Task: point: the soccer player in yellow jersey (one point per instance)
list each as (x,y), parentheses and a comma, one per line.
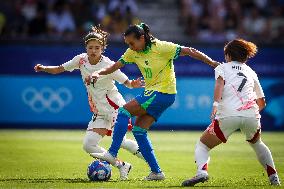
(155,59)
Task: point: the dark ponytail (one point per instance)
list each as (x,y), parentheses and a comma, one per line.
(138,31)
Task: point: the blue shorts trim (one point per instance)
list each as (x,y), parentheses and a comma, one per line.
(154,102)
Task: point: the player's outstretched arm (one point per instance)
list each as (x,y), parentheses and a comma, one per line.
(135,83)
(49,69)
(189,51)
(105,71)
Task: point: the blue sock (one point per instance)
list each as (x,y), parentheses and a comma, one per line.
(119,131)
(146,149)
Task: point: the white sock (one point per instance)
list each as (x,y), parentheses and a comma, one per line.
(118,164)
(90,145)
(91,141)
(201,157)
(131,146)
(264,157)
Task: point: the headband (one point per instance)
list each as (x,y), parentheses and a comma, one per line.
(94,38)
(140,25)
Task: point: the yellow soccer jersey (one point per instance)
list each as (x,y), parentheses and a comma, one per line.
(156,65)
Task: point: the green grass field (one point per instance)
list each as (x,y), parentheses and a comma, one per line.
(55,159)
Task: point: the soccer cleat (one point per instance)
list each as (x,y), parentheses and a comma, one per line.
(202,177)
(274,180)
(155,176)
(106,156)
(124,170)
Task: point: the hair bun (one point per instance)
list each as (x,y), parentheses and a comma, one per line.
(145,27)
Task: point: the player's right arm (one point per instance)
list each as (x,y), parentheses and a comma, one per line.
(194,53)
(126,58)
(67,66)
(49,69)
(218,90)
(111,69)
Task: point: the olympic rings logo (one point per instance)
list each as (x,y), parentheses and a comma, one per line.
(47,99)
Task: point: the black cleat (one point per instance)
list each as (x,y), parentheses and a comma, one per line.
(196,179)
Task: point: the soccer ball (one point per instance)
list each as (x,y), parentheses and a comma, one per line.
(99,171)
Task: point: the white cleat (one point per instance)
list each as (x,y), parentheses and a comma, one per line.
(274,180)
(202,177)
(124,171)
(106,156)
(155,176)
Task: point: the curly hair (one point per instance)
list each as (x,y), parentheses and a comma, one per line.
(97,34)
(240,50)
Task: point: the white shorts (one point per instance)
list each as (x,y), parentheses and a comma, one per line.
(224,127)
(101,122)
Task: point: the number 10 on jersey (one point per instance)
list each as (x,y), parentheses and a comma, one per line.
(148,72)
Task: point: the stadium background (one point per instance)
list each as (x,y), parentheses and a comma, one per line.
(50,33)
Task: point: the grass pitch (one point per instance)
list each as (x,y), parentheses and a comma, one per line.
(55,159)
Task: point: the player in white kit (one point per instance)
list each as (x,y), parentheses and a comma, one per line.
(238,99)
(104,98)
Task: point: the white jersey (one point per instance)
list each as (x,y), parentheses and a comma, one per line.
(103,95)
(241,90)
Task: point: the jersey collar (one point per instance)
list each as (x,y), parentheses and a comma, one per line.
(236,62)
(147,49)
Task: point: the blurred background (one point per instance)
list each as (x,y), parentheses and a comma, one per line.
(50,32)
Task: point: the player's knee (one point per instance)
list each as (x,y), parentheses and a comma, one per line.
(123,112)
(92,148)
(256,143)
(90,145)
(129,145)
(200,144)
(254,140)
(87,147)
(124,142)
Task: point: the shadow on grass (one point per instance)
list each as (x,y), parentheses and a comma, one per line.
(80,180)
(211,186)
(247,186)
(50,180)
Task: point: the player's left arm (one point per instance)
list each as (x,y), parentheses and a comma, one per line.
(261,103)
(189,51)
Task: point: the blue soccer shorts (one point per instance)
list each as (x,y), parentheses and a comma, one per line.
(154,102)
